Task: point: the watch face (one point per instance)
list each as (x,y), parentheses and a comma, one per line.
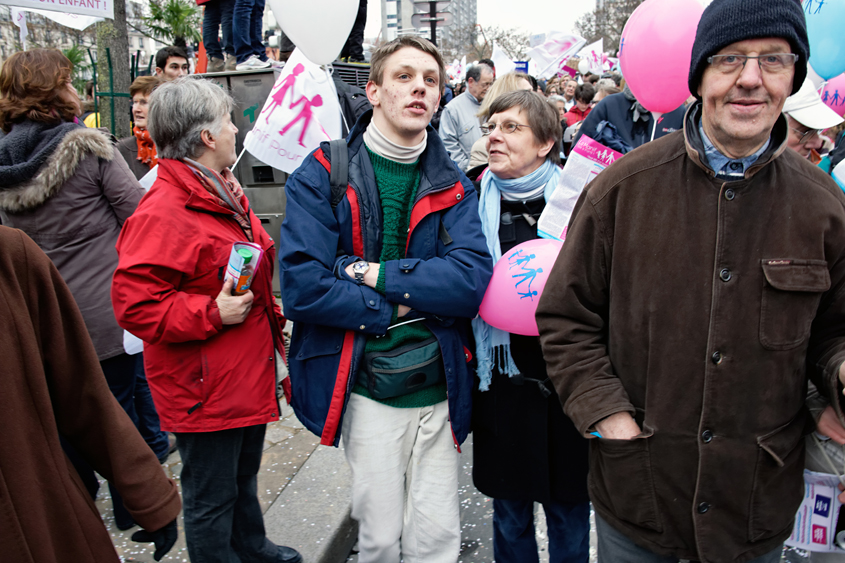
(361,267)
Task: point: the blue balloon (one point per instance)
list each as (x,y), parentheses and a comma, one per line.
(825,21)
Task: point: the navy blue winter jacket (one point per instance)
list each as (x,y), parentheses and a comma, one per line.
(442,278)
(617,109)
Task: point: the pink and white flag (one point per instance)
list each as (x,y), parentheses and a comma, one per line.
(593,54)
(19,19)
(301,111)
(553,54)
(461,70)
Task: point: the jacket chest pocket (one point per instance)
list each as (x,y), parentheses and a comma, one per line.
(791,295)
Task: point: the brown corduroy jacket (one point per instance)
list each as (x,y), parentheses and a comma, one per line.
(51,383)
(699,306)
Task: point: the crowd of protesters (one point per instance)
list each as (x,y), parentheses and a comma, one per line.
(690,332)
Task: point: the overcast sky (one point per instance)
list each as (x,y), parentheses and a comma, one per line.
(532,16)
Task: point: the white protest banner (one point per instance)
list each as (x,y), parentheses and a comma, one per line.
(815,521)
(536,39)
(19,19)
(461,71)
(592,53)
(587,159)
(452,69)
(96,8)
(301,111)
(554,53)
(73,21)
(503,63)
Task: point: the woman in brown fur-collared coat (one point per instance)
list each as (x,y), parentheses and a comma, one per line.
(51,385)
(69,189)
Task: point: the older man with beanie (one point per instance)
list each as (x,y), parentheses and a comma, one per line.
(699,286)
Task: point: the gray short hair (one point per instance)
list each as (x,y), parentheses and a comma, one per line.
(180,110)
(475,71)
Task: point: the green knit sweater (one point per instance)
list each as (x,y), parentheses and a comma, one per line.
(397,186)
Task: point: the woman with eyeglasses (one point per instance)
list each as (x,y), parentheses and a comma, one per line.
(525,450)
(509,82)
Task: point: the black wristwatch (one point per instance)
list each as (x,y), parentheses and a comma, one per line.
(359,269)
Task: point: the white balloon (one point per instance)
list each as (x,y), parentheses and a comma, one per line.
(319,28)
(584,66)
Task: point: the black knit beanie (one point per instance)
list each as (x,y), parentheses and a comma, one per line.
(728,21)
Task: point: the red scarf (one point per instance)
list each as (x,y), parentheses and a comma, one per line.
(146,147)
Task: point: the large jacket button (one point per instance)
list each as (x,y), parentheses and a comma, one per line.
(703,507)
(706,436)
(725,275)
(716,358)
(730,194)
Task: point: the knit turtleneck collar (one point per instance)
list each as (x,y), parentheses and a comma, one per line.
(384,147)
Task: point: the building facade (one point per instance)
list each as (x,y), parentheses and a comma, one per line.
(44,32)
(396,18)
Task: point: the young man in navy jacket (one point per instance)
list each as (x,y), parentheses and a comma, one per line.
(398,262)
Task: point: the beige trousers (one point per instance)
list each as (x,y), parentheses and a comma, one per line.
(404,482)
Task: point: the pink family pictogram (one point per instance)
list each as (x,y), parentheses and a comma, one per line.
(278,97)
(305,115)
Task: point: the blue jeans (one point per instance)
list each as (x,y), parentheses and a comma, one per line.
(217,13)
(223,520)
(514,540)
(148,422)
(246,29)
(615,547)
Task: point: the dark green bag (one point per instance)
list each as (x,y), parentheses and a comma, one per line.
(404,370)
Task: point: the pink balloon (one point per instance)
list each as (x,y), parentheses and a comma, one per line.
(833,94)
(517,284)
(655,51)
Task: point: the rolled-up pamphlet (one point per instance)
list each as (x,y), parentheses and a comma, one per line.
(243,261)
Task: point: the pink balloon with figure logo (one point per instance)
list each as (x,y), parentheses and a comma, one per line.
(833,94)
(655,51)
(517,284)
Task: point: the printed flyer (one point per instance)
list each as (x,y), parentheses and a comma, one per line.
(586,160)
(815,521)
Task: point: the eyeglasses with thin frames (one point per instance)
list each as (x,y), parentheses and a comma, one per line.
(507,127)
(772,63)
(805,135)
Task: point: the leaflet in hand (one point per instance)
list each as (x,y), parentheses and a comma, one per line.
(243,261)
(815,521)
(586,160)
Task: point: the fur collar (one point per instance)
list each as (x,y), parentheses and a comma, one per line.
(59,168)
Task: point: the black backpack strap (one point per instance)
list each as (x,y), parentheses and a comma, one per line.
(339,174)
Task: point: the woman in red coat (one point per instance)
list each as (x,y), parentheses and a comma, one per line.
(209,354)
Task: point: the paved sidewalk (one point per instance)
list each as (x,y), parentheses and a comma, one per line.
(287,491)
(304,492)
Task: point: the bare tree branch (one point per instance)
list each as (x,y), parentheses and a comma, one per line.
(607,22)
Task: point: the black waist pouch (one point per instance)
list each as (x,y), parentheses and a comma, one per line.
(404,370)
